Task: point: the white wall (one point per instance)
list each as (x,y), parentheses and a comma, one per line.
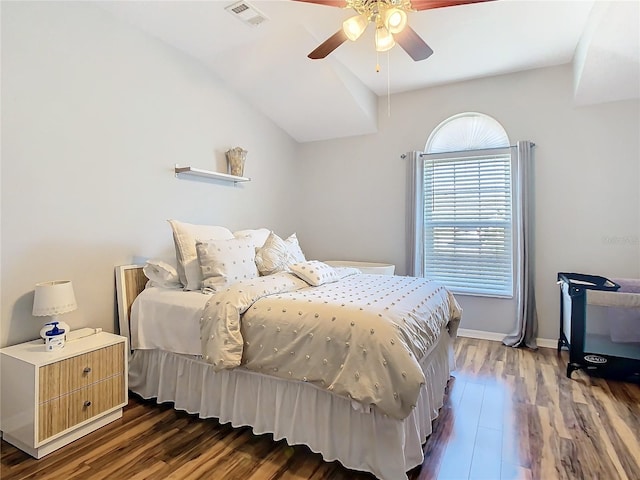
(586,174)
(94,117)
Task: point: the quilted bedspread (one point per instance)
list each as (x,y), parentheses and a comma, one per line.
(360,337)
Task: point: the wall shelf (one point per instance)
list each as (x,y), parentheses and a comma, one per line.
(199,172)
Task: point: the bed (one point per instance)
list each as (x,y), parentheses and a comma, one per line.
(354,367)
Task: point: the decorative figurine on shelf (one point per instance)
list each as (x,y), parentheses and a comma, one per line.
(235,160)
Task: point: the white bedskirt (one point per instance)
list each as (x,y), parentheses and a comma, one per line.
(297,411)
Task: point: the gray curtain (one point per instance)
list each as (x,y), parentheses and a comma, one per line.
(415,227)
(526,330)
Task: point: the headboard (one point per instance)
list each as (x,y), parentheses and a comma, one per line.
(130,281)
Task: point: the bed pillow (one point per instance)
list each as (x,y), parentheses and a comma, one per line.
(294,248)
(274,256)
(184,237)
(223,262)
(161,274)
(315,273)
(259,235)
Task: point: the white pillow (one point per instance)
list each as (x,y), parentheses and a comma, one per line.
(184,238)
(315,273)
(294,248)
(274,256)
(224,262)
(162,274)
(259,235)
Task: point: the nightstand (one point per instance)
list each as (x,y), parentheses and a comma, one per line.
(365,267)
(50,399)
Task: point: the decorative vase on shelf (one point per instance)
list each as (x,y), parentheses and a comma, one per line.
(235,161)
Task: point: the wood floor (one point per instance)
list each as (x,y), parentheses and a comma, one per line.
(509,414)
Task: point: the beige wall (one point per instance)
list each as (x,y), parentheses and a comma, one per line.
(94,117)
(586,175)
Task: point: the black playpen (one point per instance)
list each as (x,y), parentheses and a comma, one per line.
(600,325)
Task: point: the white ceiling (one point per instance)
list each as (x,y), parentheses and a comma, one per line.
(337,96)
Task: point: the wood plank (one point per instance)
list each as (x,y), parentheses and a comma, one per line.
(487,458)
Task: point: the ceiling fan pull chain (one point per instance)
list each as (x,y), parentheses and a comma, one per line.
(388,84)
(377,61)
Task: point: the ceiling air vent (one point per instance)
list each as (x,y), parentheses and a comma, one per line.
(247,13)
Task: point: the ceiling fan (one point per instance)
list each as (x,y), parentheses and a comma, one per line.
(390,20)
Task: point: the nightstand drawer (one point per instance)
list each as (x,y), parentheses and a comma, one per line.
(69,410)
(68,375)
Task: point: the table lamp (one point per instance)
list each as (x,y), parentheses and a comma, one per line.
(53,299)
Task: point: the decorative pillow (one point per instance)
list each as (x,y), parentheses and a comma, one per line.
(223,262)
(161,274)
(294,248)
(259,235)
(274,256)
(184,237)
(315,273)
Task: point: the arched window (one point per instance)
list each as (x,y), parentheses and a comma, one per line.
(467,131)
(467,218)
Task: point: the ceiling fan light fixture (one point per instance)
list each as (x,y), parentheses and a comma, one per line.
(355,26)
(395,20)
(384,39)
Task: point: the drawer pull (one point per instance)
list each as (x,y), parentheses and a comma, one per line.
(87,403)
(87,370)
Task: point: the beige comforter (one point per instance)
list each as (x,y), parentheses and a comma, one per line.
(360,337)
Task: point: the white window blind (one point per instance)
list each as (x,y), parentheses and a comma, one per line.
(468,221)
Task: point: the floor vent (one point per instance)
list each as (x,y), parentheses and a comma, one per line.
(247,13)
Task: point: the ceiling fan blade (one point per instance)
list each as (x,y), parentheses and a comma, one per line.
(328,3)
(411,42)
(431,4)
(329,45)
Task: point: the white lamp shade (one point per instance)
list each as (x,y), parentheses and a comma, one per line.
(395,20)
(54,298)
(354,27)
(384,40)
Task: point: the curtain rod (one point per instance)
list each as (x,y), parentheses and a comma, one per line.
(404,155)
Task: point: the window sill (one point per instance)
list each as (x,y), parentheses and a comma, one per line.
(466,293)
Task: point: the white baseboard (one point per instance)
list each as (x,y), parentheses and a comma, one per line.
(547,342)
(497,337)
(481,334)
